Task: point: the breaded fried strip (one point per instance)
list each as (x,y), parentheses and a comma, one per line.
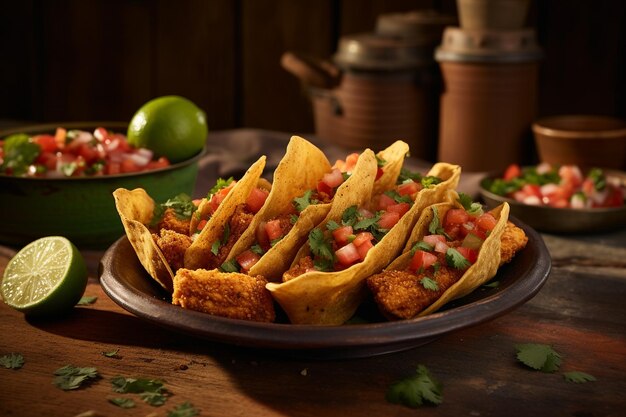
(234,295)
(513,240)
(171,221)
(173,246)
(400,295)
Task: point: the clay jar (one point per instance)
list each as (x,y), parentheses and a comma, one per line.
(489,97)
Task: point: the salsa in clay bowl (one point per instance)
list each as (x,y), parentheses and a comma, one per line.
(560,199)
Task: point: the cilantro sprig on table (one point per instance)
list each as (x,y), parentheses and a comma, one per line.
(416,390)
(70,377)
(12,361)
(544,358)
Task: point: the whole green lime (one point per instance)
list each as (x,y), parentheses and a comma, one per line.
(170,126)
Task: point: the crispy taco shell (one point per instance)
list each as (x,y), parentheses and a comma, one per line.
(196,255)
(480,272)
(331,298)
(300,169)
(136,209)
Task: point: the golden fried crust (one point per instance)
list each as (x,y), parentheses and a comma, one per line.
(304,265)
(513,240)
(233,295)
(173,246)
(171,221)
(400,294)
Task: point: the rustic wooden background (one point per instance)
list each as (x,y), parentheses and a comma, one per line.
(64,60)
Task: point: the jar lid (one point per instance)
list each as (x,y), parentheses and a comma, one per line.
(425,25)
(480,45)
(372,51)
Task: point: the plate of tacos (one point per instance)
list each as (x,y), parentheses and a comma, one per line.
(355,258)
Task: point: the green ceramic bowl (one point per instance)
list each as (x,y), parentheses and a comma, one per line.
(81,209)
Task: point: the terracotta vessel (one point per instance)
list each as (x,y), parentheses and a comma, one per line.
(584,140)
(489,98)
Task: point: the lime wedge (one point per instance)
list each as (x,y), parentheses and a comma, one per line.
(46,277)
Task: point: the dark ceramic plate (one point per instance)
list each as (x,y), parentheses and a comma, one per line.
(560,220)
(125,281)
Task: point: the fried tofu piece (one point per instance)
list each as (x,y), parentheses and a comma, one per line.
(171,221)
(173,246)
(513,240)
(232,295)
(400,294)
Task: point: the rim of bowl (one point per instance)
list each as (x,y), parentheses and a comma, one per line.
(551,126)
(45,127)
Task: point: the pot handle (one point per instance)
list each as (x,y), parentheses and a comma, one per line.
(321,74)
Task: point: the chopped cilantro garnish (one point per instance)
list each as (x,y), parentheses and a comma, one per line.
(12,361)
(111,354)
(275,241)
(429,284)
(599,180)
(122,402)
(71,377)
(578,377)
(293,219)
(219,184)
(151,391)
(300,203)
(380,161)
(215,247)
(185,409)
(350,216)
(321,249)
(230,266)
(472,208)
(455,260)
(366,223)
(256,248)
(398,198)
(537,356)
(434,227)
(529,175)
(421,245)
(332,225)
(413,391)
(19,153)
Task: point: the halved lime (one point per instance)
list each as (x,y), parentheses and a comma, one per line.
(46,277)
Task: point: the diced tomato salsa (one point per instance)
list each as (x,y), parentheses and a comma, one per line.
(74,153)
(562,187)
(458,240)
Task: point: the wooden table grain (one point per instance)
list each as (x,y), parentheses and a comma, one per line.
(580,311)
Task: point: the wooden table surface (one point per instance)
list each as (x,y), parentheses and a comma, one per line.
(580,311)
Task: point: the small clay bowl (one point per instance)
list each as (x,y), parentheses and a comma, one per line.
(584,140)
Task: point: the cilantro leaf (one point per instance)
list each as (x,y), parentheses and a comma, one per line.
(122,402)
(398,198)
(366,223)
(456,260)
(421,245)
(185,409)
(599,179)
(230,266)
(256,248)
(494,284)
(155,399)
(578,377)
(87,300)
(215,247)
(537,356)
(321,249)
(182,204)
(71,377)
(434,227)
(19,153)
(380,161)
(472,208)
(350,216)
(413,391)
(111,354)
(300,203)
(12,361)
(429,284)
(136,385)
(332,225)
(219,184)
